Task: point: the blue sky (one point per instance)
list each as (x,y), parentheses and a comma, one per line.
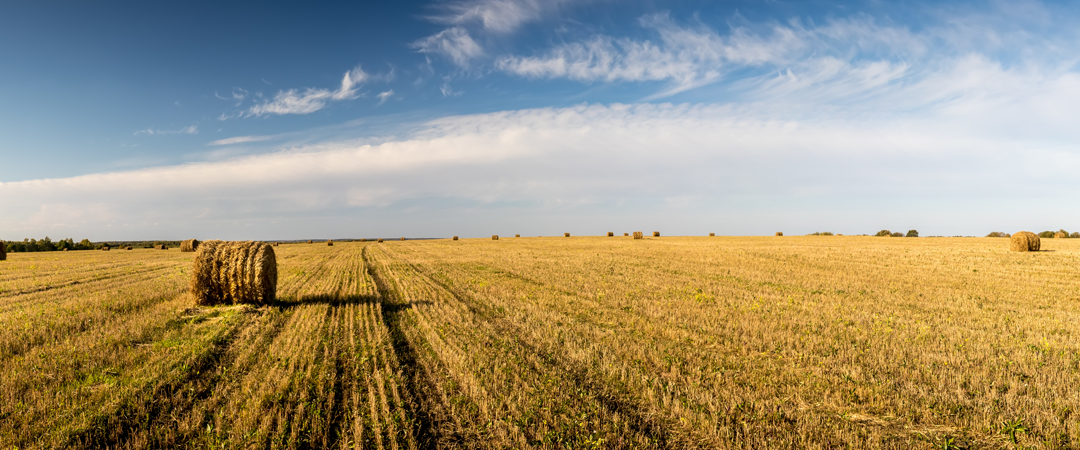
(480,117)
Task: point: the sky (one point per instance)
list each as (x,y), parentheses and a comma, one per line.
(129,121)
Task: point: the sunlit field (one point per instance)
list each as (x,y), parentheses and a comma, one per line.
(578,342)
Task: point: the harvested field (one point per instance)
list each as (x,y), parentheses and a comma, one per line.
(681,342)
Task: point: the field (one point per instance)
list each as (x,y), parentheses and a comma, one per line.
(580,342)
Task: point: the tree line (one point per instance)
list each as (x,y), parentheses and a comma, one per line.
(48,245)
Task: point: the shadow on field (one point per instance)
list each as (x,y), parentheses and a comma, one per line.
(325,299)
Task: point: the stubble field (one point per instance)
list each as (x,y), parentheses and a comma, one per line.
(581,342)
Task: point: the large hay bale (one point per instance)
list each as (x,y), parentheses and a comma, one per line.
(494,237)
(3,251)
(779,233)
(329,242)
(639,235)
(610,233)
(189,245)
(655,234)
(234,272)
(1060,235)
(1024,241)
(455,238)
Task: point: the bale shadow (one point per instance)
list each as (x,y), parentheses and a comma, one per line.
(325,299)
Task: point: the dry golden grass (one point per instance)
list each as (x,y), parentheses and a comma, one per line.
(805,342)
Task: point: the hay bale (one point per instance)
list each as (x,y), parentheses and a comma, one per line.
(380,241)
(1060,235)
(65,249)
(403,238)
(455,238)
(309,241)
(638,235)
(626,234)
(363,240)
(779,233)
(234,272)
(1024,241)
(712,234)
(655,234)
(566,234)
(163,247)
(494,237)
(329,242)
(610,234)
(189,245)
(105,248)
(276,244)
(128,248)
(3,251)
(517,235)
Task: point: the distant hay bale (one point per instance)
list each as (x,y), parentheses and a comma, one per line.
(64,249)
(566,234)
(380,241)
(276,244)
(712,234)
(309,241)
(639,235)
(610,234)
(455,238)
(105,248)
(494,237)
(363,240)
(128,248)
(1024,241)
(329,242)
(234,272)
(1060,235)
(403,238)
(189,245)
(779,233)
(163,247)
(655,234)
(626,234)
(3,251)
(517,235)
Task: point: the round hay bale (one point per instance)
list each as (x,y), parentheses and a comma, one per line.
(65,249)
(380,241)
(455,238)
(276,244)
(189,245)
(517,235)
(494,237)
(626,234)
(639,235)
(1024,241)
(234,272)
(779,233)
(329,242)
(403,238)
(309,241)
(105,248)
(1060,235)
(363,240)
(655,234)
(566,234)
(128,248)
(610,234)
(712,234)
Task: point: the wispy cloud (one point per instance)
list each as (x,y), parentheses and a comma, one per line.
(294,101)
(192,129)
(384,96)
(500,16)
(453,43)
(240,140)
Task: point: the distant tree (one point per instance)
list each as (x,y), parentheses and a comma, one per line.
(912,233)
(821,233)
(898,234)
(883,233)
(1062,231)
(1075,235)
(997,234)
(1047,234)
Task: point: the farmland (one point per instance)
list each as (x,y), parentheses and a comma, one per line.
(577,342)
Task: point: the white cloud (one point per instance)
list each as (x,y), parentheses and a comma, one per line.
(240,140)
(985,142)
(191,129)
(384,96)
(498,15)
(309,100)
(454,43)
